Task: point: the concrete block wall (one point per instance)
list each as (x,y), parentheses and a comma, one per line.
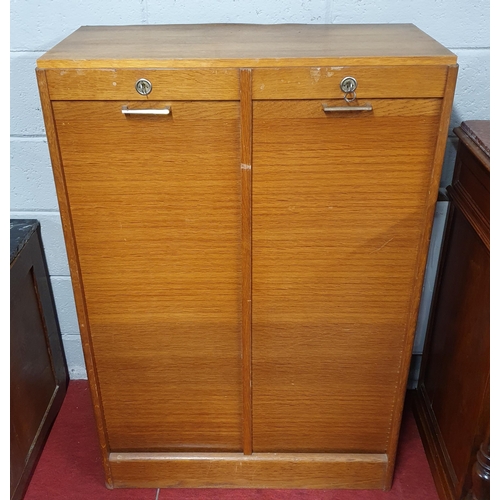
(37,25)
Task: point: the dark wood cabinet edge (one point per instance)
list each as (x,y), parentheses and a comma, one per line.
(33,254)
(436,455)
(438,458)
(471,212)
(34,258)
(482,438)
(52,327)
(480,489)
(459,193)
(459,200)
(441,467)
(481,156)
(43,431)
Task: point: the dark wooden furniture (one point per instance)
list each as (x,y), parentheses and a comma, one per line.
(247,242)
(452,398)
(38,372)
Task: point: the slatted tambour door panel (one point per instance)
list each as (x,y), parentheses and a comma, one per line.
(338,211)
(155,205)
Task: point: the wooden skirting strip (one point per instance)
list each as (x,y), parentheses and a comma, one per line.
(259,470)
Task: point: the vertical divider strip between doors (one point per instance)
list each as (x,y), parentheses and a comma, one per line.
(246,242)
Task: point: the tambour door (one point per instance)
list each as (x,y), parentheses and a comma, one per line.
(339,208)
(155,209)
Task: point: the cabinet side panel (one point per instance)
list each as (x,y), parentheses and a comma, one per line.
(339,205)
(430,198)
(32,380)
(156,207)
(74,266)
(458,349)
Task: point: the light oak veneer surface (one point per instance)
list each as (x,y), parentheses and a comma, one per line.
(247,269)
(226,45)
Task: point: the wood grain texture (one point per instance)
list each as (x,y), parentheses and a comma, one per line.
(245,45)
(260,470)
(38,373)
(74,266)
(338,213)
(248,268)
(470,189)
(453,422)
(157,220)
(246,245)
(453,395)
(481,473)
(119,84)
(458,351)
(423,245)
(373,82)
(433,443)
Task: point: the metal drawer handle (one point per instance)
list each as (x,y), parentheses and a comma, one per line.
(164,111)
(339,109)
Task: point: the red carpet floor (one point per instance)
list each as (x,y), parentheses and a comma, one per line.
(70,467)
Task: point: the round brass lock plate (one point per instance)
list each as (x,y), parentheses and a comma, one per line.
(143,86)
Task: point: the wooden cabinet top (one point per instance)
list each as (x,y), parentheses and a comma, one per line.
(20,233)
(479,133)
(237,45)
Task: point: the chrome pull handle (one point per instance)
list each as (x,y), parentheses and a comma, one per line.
(341,109)
(164,111)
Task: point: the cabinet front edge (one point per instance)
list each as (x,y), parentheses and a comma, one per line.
(43,63)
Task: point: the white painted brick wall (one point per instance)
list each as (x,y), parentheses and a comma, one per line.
(37,25)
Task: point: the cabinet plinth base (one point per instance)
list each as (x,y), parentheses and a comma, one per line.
(260,470)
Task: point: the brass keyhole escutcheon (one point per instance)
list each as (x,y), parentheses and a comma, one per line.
(143,86)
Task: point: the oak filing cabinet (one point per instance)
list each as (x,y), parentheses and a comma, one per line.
(247,212)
